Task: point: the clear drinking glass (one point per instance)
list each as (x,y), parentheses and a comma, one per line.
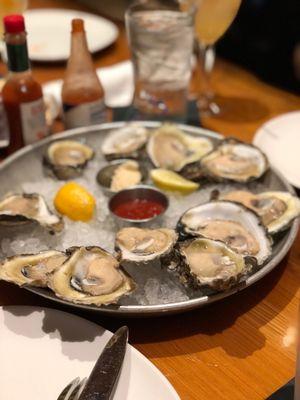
(161,41)
(213,18)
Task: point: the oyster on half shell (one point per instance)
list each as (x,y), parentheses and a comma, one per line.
(67,158)
(212,263)
(276,209)
(170,148)
(143,245)
(16,209)
(31,269)
(126,175)
(90,275)
(237,226)
(125,142)
(234,161)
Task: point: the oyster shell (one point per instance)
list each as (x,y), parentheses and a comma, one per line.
(237,226)
(67,158)
(234,161)
(170,148)
(125,142)
(31,269)
(212,263)
(143,245)
(18,209)
(276,209)
(90,276)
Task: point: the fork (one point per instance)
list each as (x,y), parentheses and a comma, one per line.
(73,390)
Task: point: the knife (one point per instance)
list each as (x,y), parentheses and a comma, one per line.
(104,375)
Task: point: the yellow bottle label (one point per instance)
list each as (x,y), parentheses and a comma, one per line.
(85,114)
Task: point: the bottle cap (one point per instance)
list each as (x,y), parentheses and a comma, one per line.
(14,23)
(77,25)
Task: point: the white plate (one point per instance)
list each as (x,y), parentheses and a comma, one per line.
(279,138)
(49,32)
(41,350)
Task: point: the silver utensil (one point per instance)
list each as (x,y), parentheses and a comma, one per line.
(73,390)
(101,382)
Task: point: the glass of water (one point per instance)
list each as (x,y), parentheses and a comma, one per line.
(161,40)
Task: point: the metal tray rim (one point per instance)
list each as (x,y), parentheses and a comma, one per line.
(159,309)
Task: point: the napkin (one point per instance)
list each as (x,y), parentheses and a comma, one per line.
(117,81)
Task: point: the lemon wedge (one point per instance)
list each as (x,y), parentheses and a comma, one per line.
(169,180)
(75,202)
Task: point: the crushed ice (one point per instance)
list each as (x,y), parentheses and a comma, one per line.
(100,232)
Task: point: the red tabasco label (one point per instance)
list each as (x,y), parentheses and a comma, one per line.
(34,125)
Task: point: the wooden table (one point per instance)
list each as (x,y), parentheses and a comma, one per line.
(244,346)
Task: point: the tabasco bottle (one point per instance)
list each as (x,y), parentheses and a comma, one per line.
(82,92)
(22,94)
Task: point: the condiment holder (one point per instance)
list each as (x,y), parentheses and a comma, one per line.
(135,205)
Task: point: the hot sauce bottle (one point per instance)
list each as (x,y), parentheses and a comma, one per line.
(82,92)
(22,94)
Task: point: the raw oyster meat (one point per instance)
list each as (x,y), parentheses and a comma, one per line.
(121,174)
(276,209)
(31,269)
(67,158)
(125,142)
(90,275)
(126,175)
(212,263)
(234,161)
(237,226)
(170,148)
(143,245)
(18,209)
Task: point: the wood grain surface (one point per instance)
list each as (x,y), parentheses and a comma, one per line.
(242,347)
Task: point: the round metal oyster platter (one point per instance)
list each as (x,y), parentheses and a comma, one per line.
(26,166)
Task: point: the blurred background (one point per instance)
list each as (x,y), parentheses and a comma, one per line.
(264,38)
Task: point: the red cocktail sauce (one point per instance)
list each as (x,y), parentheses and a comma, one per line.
(138,209)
